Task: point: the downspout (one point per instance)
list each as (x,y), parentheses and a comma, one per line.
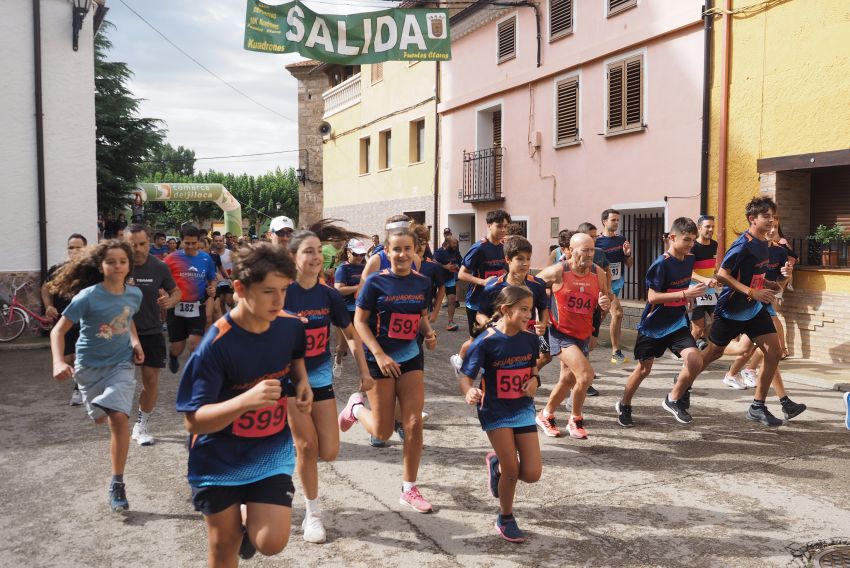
(708,21)
(536,9)
(39,139)
(437,157)
(723,157)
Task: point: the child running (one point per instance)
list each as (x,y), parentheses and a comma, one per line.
(347,282)
(234,398)
(508,354)
(392,310)
(107,348)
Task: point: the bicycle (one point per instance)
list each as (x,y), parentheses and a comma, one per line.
(15,317)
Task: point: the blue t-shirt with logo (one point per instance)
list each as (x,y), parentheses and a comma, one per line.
(483,260)
(667,274)
(778,255)
(434,272)
(349,275)
(105,320)
(228,362)
(444,256)
(492,290)
(322,306)
(747,261)
(395,304)
(613,249)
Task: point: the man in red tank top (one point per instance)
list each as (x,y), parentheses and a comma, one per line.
(578,286)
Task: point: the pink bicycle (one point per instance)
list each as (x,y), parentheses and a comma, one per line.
(15,317)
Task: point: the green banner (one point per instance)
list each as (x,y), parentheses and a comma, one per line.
(397,34)
(214,192)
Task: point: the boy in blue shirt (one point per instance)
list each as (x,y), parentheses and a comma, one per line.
(619,253)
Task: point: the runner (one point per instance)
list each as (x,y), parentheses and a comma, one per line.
(107,347)
(391,311)
(347,282)
(194,272)
(557,254)
(224,289)
(578,286)
(315,432)
(433,271)
(159,291)
(600,259)
(664,323)
(619,253)
(159,248)
(705,266)
(235,404)
(740,307)
(379,259)
(505,399)
(280,229)
(449,258)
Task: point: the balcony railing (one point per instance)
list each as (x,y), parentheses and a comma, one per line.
(482,175)
(342,96)
(826,255)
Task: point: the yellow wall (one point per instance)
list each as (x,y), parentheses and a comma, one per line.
(789,94)
(383,105)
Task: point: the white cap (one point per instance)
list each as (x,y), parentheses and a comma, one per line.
(281,222)
(357,246)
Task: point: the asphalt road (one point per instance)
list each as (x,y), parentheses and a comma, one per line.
(721,491)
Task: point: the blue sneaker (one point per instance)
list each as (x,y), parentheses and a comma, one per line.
(118,497)
(376,442)
(509,530)
(399,429)
(493,473)
(246,549)
(846,398)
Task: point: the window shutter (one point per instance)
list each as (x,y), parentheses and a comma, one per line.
(567,112)
(507,39)
(560,18)
(377,72)
(615,97)
(634,91)
(615,6)
(497,152)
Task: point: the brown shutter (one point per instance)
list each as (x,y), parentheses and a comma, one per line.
(615,6)
(615,96)
(507,39)
(567,111)
(560,18)
(497,153)
(377,72)
(634,91)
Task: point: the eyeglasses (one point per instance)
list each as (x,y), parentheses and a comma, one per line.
(354,254)
(284,232)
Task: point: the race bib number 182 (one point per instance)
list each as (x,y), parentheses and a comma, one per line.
(187,309)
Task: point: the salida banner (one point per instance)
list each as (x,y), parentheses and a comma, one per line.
(397,34)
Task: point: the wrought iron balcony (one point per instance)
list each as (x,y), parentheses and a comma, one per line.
(482,175)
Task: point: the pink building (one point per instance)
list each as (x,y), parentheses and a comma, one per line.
(606,111)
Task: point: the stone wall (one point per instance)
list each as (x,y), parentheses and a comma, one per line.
(370,218)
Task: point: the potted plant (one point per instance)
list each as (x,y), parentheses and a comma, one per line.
(826,236)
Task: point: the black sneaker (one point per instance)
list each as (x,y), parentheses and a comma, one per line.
(791,409)
(246,549)
(399,430)
(679,413)
(624,414)
(685,401)
(493,473)
(592,391)
(118,497)
(173,364)
(376,442)
(763,415)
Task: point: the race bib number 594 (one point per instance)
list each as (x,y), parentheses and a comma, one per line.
(262,422)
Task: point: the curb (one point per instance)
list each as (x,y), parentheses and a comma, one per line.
(24,346)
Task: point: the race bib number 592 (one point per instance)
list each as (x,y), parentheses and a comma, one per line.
(317,341)
(262,422)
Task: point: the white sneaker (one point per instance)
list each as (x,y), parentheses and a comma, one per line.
(141,434)
(76,398)
(425,416)
(749,377)
(456,362)
(733,381)
(314,530)
(337,370)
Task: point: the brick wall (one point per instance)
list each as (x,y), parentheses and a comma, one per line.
(792,193)
(815,325)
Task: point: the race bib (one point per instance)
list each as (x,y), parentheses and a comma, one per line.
(616,270)
(403,326)
(757,283)
(510,382)
(681,301)
(579,303)
(710,299)
(187,309)
(261,422)
(317,341)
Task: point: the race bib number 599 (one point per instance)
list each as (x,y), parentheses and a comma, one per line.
(262,422)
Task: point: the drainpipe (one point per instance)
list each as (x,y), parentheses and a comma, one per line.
(437,157)
(708,26)
(39,139)
(723,161)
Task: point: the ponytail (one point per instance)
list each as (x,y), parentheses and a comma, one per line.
(509,296)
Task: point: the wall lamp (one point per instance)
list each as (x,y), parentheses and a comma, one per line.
(79,9)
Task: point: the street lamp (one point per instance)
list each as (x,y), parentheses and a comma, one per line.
(79,9)
(302,174)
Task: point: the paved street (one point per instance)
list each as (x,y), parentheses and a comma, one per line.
(719,492)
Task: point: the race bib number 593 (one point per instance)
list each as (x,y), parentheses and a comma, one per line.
(262,422)
(403,326)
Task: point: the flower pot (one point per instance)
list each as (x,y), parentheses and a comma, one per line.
(829,257)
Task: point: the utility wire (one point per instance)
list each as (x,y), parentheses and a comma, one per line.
(221,157)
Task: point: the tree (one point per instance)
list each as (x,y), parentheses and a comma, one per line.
(123,140)
(166,159)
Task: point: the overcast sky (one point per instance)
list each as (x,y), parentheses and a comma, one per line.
(199,111)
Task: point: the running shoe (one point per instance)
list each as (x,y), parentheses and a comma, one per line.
(376,442)
(675,408)
(846,397)
(548,425)
(425,416)
(763,415)
(749,376)
(246,549)
(733,381)
(618,358)
(509,530)
(592,391)
(76,397)
(314,530)
(685,401)
(451,326)
(337,368)
(414,499)
(346,417)
(173,364)
(118,497)
(576,428)
(624,414)
(399,430)
(456,362)
(791,409)
(141,434)
(702,344)
(493,473)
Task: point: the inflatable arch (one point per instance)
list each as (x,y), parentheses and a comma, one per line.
(214,192)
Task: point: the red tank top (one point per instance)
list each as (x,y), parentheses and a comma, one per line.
(573,303)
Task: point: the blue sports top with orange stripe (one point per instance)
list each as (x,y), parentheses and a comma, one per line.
(667,274)
(228,362)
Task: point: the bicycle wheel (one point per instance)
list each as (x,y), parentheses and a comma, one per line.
(13,322)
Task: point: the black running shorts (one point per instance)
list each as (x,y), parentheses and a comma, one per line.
(724,330)
(274,490)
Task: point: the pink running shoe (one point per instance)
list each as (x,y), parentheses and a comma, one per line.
(415,500)
(346,417)
(576,428)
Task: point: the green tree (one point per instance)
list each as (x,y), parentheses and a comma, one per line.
(123,139)
(166,159)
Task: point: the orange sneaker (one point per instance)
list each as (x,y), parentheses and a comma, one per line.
(576,428)
(547,424)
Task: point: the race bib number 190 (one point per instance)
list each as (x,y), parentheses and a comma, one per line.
(403,326)
(261,422)
(510,382)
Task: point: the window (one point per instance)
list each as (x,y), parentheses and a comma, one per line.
(507,39)
(377,72)
(417,141)
(560,18)
(566,111)
(365,145)
(625,95)
(617,6)
(385,150)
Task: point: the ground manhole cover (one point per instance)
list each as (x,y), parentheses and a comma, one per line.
(832,557)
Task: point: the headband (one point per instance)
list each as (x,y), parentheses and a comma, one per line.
(398,225)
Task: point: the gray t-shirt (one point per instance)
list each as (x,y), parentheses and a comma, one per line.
(150,277)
